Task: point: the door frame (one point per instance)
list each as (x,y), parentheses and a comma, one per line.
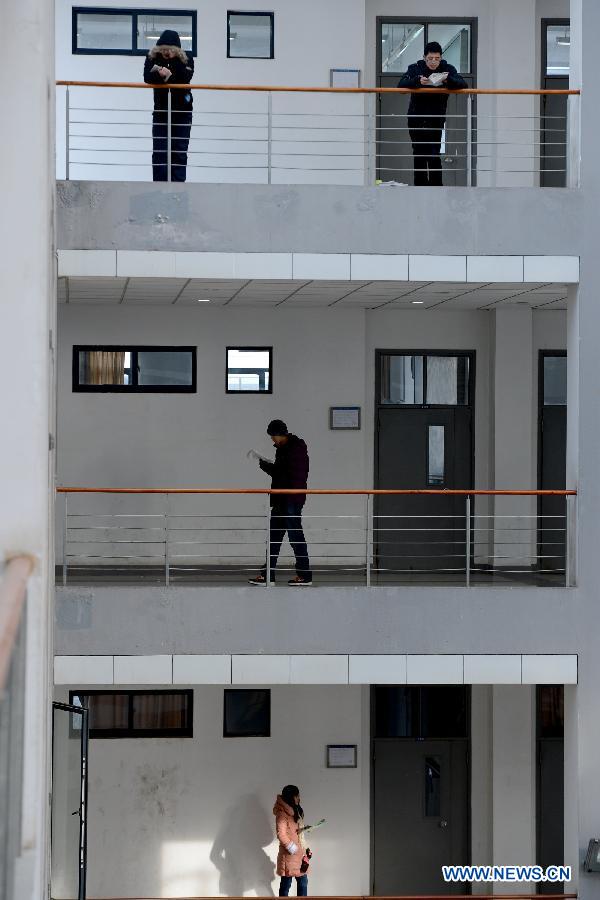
(544,79)
(379,352)
(83,796)
(542,354)
(469,742)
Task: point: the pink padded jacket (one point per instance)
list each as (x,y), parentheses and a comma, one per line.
(291,848)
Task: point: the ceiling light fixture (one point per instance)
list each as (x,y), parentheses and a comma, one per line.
(203,299)
(564,40)
(417,302)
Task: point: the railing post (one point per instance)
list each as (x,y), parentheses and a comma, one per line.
(167,548)
(571,542)
(368,538)
(469,139)
(269,135)
(168,134)
(370,138)
(64,540)
(268,569)
(468,542)
(67,136)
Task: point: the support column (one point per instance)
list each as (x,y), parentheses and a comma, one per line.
(27,314)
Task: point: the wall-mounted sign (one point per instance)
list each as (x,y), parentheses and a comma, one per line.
(342,756)
(344,418)
(344,78)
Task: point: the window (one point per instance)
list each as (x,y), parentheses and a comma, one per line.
(137,714)
(250,35)
(403,43)
(438,711)
(247,713)
(425,380)
(133,369)
(555,380)
(249,370)
(435,455)
(558,49)
(129,32)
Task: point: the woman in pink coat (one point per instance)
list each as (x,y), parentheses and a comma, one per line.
(292,859)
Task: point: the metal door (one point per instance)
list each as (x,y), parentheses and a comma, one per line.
(420,815)
(69,801)
(552,436)
(394,148)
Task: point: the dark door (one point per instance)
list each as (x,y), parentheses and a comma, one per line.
(556,40)
(423,446)
(401,42)
(420,815)
(550,782)
(552,458)
(69,801)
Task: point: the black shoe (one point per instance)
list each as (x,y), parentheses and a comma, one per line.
(261,580)
(300,581)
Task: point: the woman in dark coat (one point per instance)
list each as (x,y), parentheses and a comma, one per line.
(167,62)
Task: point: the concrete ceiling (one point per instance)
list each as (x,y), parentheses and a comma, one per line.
(310,294)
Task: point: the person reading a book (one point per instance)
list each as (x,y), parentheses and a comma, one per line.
(427,111)
(288,470)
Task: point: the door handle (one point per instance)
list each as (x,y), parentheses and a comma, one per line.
(443,823)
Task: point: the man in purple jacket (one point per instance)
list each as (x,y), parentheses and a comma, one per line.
(289,470)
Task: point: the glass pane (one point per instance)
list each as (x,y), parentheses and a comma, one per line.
(150,28)
(551,710)
(443,712)
(558,50)
(402,379)
(250,36)
(104,367)
(555,381)
(432,786)
(160,711)
(248,370)
(396,712)
(448,380)
(435,455)
(96,31)
(66,798)
(247,714)
(165,367)
(402,43)
(106,711)
(455,39)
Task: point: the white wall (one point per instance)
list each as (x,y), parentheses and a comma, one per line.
(159,808)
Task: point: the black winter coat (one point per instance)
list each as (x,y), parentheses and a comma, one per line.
(182,74)
(290,470)
(426,103)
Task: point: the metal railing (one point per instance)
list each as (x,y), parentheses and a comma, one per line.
(371,537)
(294,135)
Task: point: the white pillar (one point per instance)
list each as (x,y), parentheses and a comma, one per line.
(514,434)
(27,266)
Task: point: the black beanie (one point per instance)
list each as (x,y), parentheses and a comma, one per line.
(169,39)
(277,427)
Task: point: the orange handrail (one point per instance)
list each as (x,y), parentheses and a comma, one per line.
(335,491)
(314,90)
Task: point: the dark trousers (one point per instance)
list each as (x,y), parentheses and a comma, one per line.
(287,516)
(426,136)
(181,126)
(301,885)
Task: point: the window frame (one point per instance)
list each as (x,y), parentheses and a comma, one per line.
(426,21)
(134,12)
(245,349)
(248,12)
(245,734)
(131,732)
(380,353)
(133,388)
(546,22)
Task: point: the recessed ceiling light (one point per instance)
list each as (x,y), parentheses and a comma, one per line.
(203,299)
(417,302)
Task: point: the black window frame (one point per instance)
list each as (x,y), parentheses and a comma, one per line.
(134,12)
(248,12)
(134,349)
(131,732)
(470,378)
(546,22)
(244,734)
(244,349)
(426,21)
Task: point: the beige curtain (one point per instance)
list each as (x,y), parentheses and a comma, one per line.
(105,367)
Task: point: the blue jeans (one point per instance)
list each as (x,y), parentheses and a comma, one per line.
(287,516)
(301,885)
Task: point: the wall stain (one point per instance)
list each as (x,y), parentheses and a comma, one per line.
(156,790)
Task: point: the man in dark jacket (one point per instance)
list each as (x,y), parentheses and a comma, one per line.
(167,62)
(290,470)
(427,111)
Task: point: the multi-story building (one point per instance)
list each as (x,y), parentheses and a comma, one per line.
(433,693)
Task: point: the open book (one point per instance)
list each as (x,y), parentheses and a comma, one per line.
(252,454)
(312,827)
(437,78)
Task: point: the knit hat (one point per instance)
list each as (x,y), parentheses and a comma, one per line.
(277,427)
(169,39)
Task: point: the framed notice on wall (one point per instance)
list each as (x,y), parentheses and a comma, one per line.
(344,78)
(344,418)
(341,756)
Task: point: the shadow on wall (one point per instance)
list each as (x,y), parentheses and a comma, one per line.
(238,851)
